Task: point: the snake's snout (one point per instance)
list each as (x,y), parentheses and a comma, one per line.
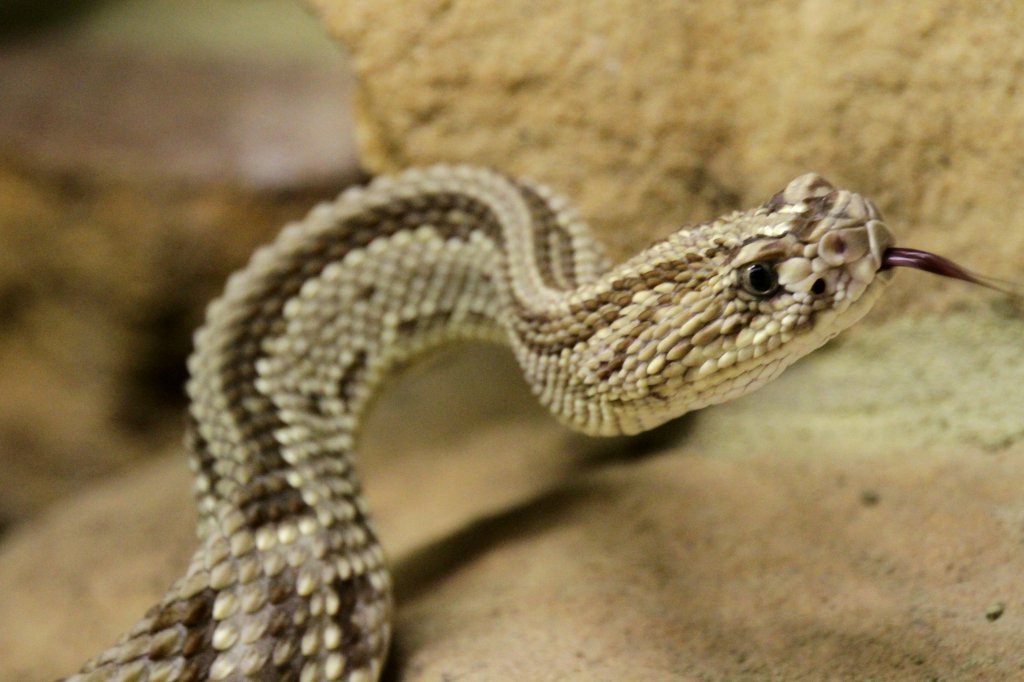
(859,249)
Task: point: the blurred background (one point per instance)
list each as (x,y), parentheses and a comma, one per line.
(146,147)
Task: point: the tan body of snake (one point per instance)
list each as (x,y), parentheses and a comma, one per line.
(289,581)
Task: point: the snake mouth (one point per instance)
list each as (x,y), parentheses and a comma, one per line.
(895,257)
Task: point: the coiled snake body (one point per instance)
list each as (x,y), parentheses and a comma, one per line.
(289,581)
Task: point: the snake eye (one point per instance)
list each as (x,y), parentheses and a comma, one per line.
(759,279)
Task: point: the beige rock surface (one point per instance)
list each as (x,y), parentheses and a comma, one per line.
(856,519)
(650,116)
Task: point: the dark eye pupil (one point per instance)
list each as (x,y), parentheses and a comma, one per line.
(760,279)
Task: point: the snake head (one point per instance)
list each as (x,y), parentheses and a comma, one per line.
(717,310)
(813,252)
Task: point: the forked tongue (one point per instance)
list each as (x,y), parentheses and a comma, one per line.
(894,257)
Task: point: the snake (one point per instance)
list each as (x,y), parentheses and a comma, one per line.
(289,580)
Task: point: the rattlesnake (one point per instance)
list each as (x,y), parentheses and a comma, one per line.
(289,581)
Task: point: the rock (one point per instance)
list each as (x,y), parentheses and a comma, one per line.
(737,547)
(83,572)
(650,117)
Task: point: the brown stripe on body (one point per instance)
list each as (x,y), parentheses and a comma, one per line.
(355,594)
(184,627)
(552,335)
(551,243)
(352,375)
(199,451)
(560,243)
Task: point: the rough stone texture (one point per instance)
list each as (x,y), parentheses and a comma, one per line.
(766,539)
(57,565)
(133,178)
(656,116)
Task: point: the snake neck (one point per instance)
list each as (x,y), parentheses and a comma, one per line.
(303,338)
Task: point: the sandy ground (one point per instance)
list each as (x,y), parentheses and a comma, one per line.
(860,518)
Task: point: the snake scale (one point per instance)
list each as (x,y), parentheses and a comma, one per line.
(289,580)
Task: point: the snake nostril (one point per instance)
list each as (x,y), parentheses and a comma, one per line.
(818,288)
